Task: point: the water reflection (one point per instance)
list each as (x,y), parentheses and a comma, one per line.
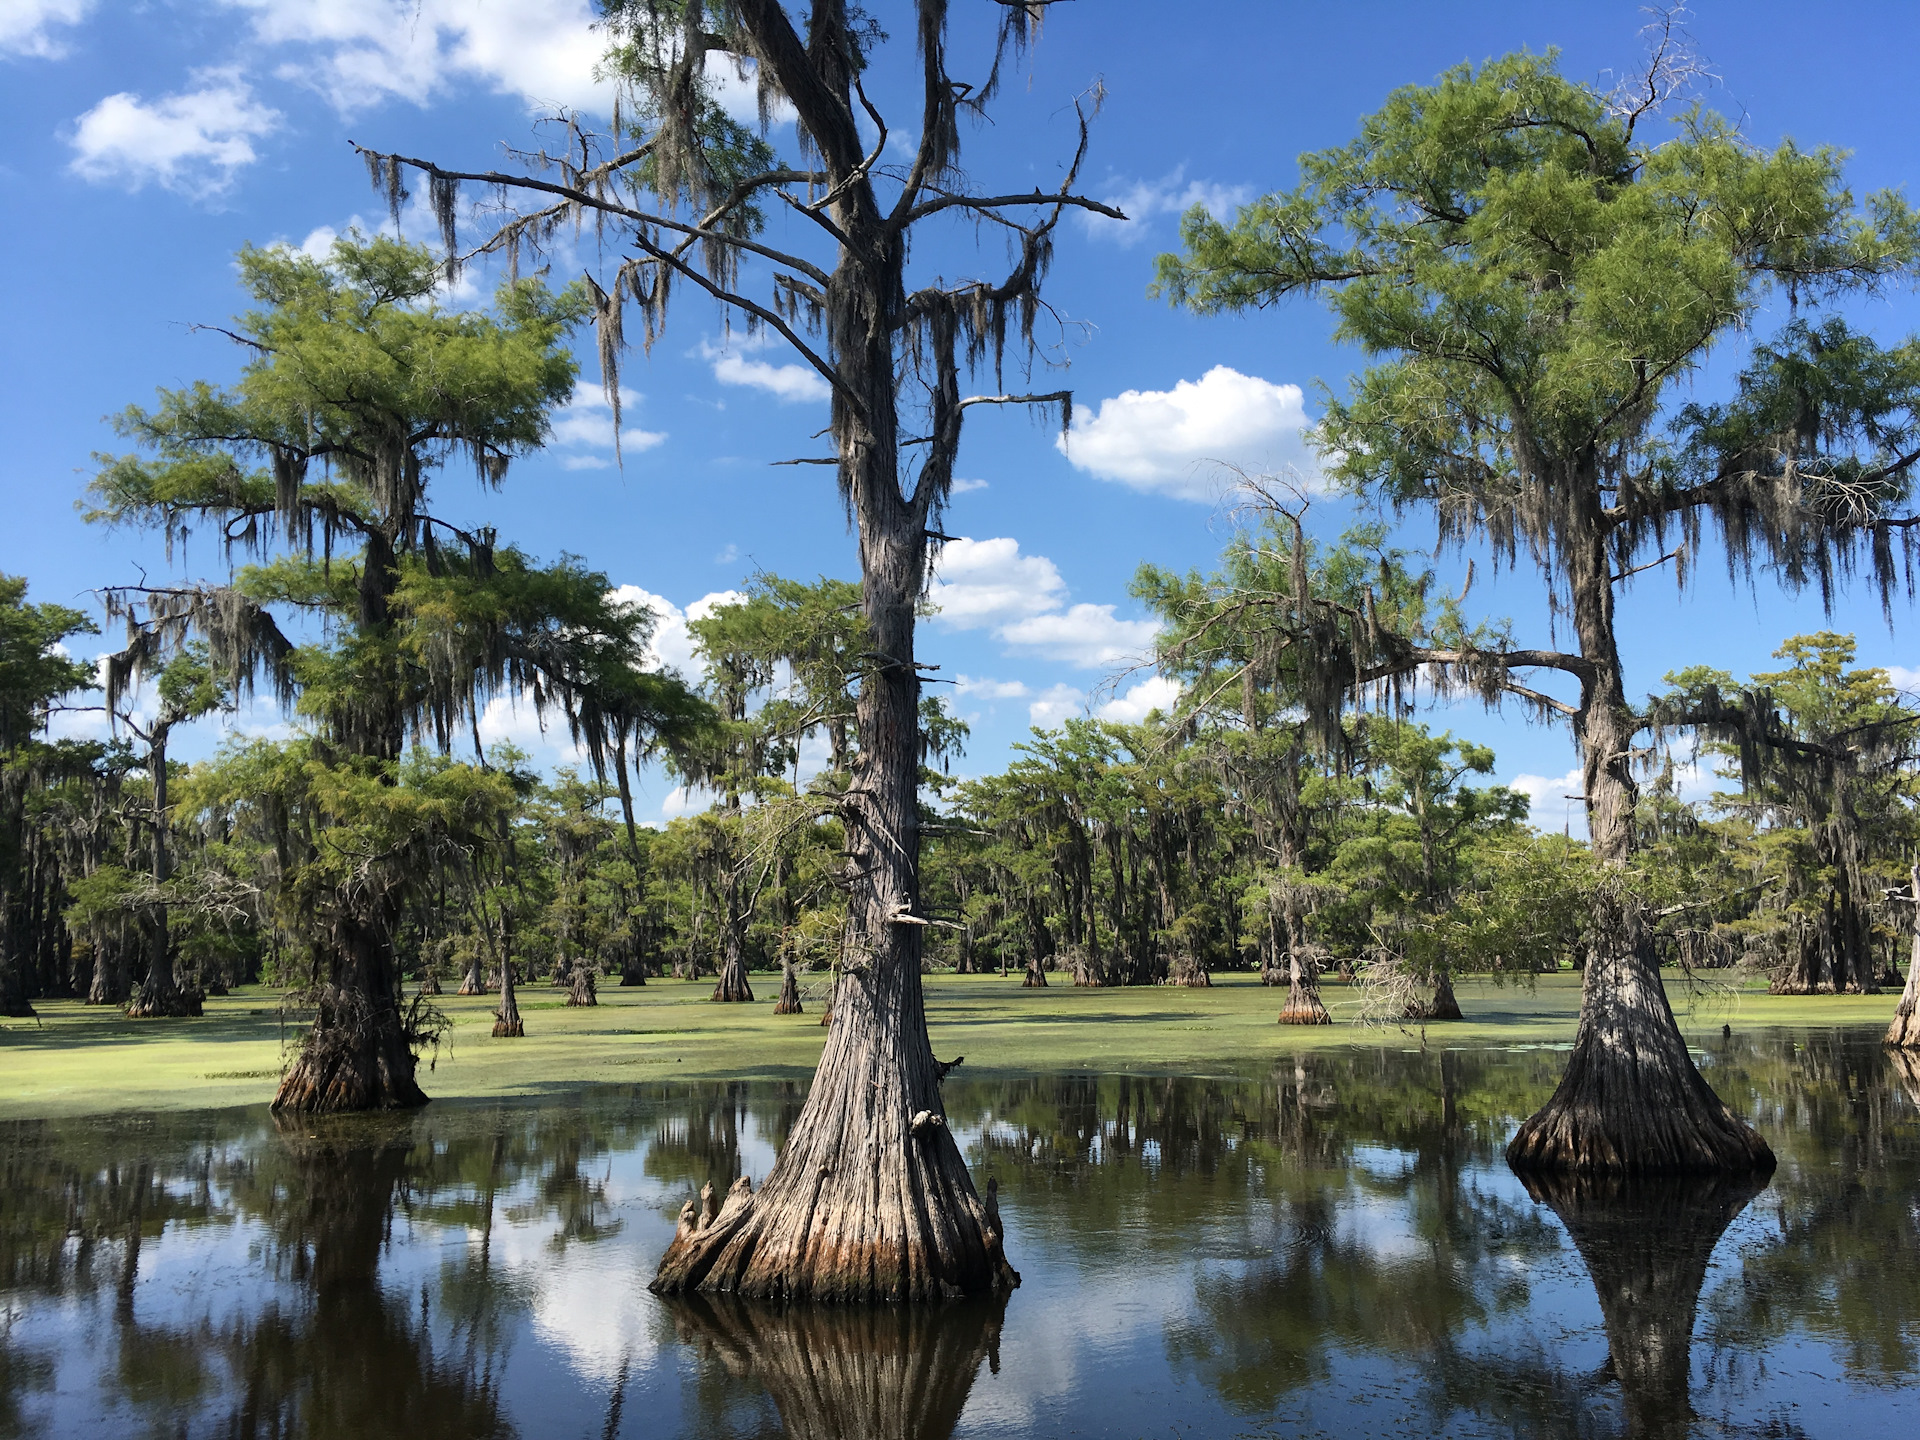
(1334,1245)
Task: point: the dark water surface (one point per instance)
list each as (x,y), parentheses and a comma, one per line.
(1331,1247)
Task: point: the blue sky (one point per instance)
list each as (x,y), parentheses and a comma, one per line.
(150,140)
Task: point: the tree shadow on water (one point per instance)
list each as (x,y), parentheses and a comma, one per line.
(893,1372)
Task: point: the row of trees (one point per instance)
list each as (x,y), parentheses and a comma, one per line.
(1531,278)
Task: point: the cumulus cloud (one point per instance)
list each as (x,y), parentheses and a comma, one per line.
(359,53)
(1142,200)
(672,645)
(1157,692)
(192,142)
(583,428)
(979,583)
(965,487)
(1086,635)
(25,25)
(787,383)
(1548,807)
(1055,704)
(1903,678)
(1173,441)
(981,688)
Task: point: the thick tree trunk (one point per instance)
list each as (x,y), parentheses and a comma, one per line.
(507,1024)
(1190,971)
(1304,1006)
(1904,1033)
(110,985)
(1631,1099)
(633,969)
(789,1001)
(430,983)
(1441,1005)
(583,991)
(733,962)
(870,1198)
(836,1373)
(359,1054)
(1036,976)
(1647,1244)
(474,982)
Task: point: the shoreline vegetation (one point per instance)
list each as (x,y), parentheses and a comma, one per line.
(80,1060)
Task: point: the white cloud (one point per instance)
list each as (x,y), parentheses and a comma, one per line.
(359,53)
(1157,692)
(1902,677)
(985,689)
(192,142)
(1174,441)
(978,583)
(967,487)
(1090,636)
(672,645)
(1056,703)
(24,25)
(1142,200)
(1547,802)
(584,427)
(787,383)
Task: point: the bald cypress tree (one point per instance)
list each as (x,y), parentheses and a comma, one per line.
(871,1198)
(358,390)
(1533,276)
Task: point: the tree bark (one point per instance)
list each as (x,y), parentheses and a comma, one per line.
(359,1054)
(1904,1032)
(583,991)
(474,982)
(1647,1244)
(1631,1099)
(507,1024)
(733,984)
(160,992)
(1442,1005)
(1304,1006)
(789,1001)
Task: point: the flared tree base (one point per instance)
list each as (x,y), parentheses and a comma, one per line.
(789,1001)
(1904,1033)
(504,1029)
(733,987)
(430,985)
(176,1005)
(1631,1101)
(1035,978)
(16,1009)
(1443,1005)
(1190,974)
(358,1056)
(583,992)
(1304,1006)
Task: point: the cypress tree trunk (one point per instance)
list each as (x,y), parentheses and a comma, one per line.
(733,984)
(474,982)
(789,1001)
(870,1198)
(1443,1005)
(1904,1033)
(1631,1099)
(160,993)
(430,982)
(506,1020)
(1304,1006)
(583,991)
(359,1054)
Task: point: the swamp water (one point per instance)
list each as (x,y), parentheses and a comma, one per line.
(1329,1247)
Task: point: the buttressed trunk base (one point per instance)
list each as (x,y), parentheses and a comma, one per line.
(1631,1100)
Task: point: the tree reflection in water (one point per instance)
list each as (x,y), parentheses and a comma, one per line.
(1334,1244)
(841,1371)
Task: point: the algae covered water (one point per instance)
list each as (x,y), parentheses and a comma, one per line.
(1332,1247)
